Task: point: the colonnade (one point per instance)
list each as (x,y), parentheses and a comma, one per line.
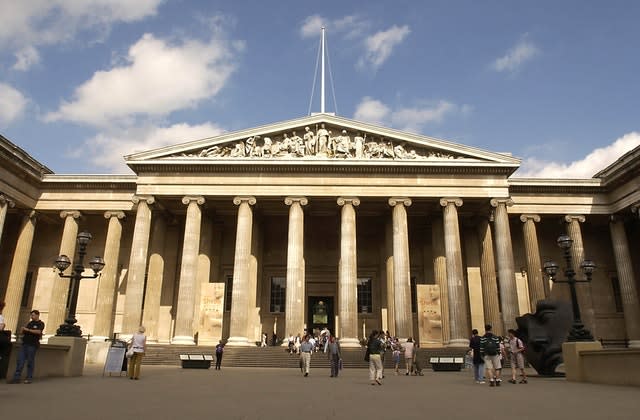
(496,256)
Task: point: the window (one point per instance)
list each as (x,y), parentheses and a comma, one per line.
(414,296)
(278,294)
(228,292)
(365,304)
(617,294)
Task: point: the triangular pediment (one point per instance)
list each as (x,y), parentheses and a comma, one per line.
(322,138)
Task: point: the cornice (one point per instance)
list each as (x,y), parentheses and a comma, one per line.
(80,182)
(25,165)
(555,186)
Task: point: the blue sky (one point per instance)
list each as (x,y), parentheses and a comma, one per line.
(555,83)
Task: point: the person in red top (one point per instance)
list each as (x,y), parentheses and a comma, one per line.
(32,333)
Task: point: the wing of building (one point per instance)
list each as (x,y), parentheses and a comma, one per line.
(316,222)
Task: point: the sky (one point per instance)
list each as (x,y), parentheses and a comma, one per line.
(555,83)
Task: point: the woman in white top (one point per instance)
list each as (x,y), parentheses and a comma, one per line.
(138,345)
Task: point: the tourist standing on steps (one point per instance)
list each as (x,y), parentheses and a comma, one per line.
(490,351)
(305,354)
(219,352)
(374,347)
(478,362)
(31,335)
(516,352)
(334,355)
(139,346)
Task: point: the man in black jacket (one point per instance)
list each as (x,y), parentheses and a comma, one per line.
(32,333)
(490,350)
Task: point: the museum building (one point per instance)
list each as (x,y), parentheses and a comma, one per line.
(316,222)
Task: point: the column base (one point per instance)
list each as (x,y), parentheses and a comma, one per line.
(571,357)
(350,342)
(238,342)
(183,340)
(634,344)
(458,342)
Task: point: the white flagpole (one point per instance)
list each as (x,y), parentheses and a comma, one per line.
(322,78)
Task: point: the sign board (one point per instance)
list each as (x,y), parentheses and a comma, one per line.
(115,359)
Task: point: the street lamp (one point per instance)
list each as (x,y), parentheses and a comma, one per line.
(578,331)
(69,329)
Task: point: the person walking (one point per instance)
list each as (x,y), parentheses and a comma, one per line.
(374,348)
(219,352)
(139,346)
(305,354)
(334,355)
(408,355)
(478,362)
(490,351)
(396,349)
(516,354)
(31,335)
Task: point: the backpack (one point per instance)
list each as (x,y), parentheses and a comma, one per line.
(491,348)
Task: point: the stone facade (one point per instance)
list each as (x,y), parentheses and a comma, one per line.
(247,232)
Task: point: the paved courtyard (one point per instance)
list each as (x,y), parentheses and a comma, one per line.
(244,393)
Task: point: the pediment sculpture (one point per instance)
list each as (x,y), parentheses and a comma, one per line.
(322,144)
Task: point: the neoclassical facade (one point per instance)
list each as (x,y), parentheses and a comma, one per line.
(316,222)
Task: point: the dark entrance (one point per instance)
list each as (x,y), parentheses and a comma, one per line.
(320,313)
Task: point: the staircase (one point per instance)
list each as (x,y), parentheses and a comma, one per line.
(278,357)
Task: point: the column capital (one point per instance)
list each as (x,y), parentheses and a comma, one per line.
(290,200)
(70,213)
(187,199)
(148,198)
(354,201)
(113,213)
(534,217)
(244,199)
(445,201)
(618,218)
(635,208)
(495,202)
(394,201)
(7,201)
(577,217)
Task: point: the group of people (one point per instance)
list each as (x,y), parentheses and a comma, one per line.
(377,345)
(489,352)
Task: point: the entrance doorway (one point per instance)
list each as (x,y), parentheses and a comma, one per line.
(320,313)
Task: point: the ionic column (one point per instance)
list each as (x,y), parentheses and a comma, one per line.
(440,274)
(137,266)
(105,304)
(490,303)
(538,285)
(294,309)
(5,203)
(348,273)
(241,272)
(401,268)
(60,286)
(506,272)
(18,273)
(183,333)
(458,308)
(583,290)
(155,277)
(626,278)
(388,263)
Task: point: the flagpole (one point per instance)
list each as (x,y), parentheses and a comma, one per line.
(322,78)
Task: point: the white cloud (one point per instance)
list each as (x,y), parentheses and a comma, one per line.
(12,104)
(516,57)
(585,168)
(407,118)
(379,46)
(156,79)
(34,23)
(106,150)
(350,26)
(25,58)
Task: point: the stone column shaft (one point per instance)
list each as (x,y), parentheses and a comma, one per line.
(105,304)
(155,277)
(401,268)
(294,305)
(18,273)
(137,266)
(241,272)
(5,203)
(60,286)
(490,303)
(183,333)
(348,274)
(506,272)
(391,316)
(626,278)
(440,274)
(583,290)
(458,307)
(538,285)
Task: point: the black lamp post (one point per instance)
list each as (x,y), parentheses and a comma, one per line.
(69,329)
(578,331)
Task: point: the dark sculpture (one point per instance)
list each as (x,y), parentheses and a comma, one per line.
(543,333)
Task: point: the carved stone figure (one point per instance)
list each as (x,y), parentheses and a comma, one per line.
(323,139)
(543,333)
(309,141)
(343,145)
(239,150)
(297,144)
(358,145)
